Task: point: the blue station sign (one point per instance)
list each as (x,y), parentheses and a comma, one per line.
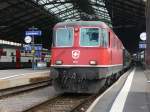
(33,33)
(37,47)
(142,45)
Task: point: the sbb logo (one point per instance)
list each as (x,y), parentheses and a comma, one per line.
(75,54)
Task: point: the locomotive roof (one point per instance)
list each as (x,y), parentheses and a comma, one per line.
(82,23)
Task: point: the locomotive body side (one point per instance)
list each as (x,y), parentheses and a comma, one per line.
(92,54)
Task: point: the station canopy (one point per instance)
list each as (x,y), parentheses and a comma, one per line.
(73,11)
(126,17)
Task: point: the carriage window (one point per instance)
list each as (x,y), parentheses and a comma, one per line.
(64,37)
(104,39)
(89,37)
(4,53)
(29,61)
(22,51)
(12,54)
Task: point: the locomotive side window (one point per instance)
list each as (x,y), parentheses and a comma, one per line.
(89,37)
(118,44)
(64,37)
(4,53)
(12,54)
(104,39)
(114,42)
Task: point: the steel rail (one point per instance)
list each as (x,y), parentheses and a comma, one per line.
(23,88)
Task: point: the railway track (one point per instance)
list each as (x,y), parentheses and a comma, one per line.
(66,103)
(24,88)
(62,103)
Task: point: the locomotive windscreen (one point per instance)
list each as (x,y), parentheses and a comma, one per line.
(94,37)
(89,37)
(64,37)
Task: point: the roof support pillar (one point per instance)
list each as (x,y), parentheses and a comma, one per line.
(147,53)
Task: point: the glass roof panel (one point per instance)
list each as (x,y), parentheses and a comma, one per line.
(68,4)
(66,11)
(40,2)
(49,6)
(61,7)
(100,10)
(62,0)
(61,10)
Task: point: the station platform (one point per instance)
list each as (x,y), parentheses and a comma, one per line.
(131,93)
(18,77)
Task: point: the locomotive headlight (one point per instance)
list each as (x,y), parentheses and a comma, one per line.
(93,62)
(58,62)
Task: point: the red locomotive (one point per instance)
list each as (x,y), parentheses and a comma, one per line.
(85,56)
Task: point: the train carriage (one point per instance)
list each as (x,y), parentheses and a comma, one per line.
(86,55)
(13,57)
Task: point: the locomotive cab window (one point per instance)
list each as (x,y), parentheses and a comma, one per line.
(64,37)
(89,37)
(104,38)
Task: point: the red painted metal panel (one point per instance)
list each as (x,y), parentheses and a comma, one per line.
(101,55)
(18,55)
